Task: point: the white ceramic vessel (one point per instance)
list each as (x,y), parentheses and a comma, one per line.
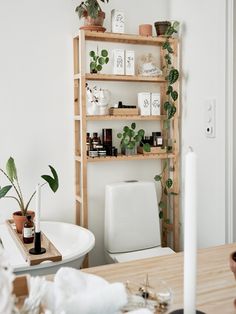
(72,241)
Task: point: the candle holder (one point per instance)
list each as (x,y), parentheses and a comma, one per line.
(37,249)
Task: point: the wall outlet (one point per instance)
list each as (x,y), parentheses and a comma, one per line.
(210,118)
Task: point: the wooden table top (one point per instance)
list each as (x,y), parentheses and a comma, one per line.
(216,286)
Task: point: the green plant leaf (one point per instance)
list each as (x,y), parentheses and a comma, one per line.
(158,177)
(161,214)
(173,76)
(11,169)
(169,90)
(106,60)
(126,129)
(101,60)
(92,54)
(4,190)
(171,112)
(52,181)
(167,105)
(126,141)
(169,183)
(119,135)
(92,65)
(130,133)
(170,50)
(133,125)
(162,205)
(99,67)
(141,133)
(146,147)
(104,53)
(137,138)
(131,145)
(174,95)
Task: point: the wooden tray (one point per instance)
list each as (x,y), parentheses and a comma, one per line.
(52,254)
(154,150)
(124,111)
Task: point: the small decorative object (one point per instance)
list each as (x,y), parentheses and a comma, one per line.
(28,230)
(97,100)
(144,103)
(161,27)
(130,139)
(145,30)
(155,104)
(11,174)
(129,62)
(118,61)
(148,67)
(103,100)
(117,21)
(93,15)
(97,61)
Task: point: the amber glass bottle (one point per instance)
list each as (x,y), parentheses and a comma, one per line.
(28,230)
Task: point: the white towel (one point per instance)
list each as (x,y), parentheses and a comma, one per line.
(77,292)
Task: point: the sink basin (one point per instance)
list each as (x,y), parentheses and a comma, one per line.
(72,241)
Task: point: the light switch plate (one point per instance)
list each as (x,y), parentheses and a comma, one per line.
(210,120)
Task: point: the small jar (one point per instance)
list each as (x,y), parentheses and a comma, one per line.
(93,153)
(28,230)
(157,139)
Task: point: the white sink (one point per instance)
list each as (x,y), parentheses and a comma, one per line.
(72,241)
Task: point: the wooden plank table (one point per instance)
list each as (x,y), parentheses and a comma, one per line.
(216,286)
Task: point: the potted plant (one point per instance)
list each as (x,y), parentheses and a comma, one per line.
(98,60)
(130,139)
(10,173)
(92,13)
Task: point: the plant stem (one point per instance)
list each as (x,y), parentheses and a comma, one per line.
(14,198)
(20,201)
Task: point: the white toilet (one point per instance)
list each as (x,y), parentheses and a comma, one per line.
(132,229)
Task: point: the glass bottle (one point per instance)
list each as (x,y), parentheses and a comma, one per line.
(95,140)
(28,230)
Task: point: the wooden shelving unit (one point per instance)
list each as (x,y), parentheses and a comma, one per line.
(80,121)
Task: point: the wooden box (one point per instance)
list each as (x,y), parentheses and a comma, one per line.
(124,111)
(154,150)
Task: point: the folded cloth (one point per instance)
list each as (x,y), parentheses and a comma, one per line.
(76,292)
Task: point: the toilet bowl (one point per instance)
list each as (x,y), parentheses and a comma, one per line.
(132,228)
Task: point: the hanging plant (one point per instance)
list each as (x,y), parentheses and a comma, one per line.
(172,76)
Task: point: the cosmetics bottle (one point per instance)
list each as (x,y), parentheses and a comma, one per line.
(107,140)
(88,143)
(28,230)
(95,140)
(157,139)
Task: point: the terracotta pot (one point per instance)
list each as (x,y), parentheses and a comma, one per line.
(161,27)
(19,220)
(94,24)
(232,263)
(145,30)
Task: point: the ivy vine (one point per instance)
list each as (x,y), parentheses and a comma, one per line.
(172,76)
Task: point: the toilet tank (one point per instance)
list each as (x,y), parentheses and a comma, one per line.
(131,217)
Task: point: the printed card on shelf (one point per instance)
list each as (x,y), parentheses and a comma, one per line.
(144,100)
(117,21)
(129,62)
(155,104)
(118,61)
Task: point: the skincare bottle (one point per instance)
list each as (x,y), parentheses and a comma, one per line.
(28,231)
(95,140)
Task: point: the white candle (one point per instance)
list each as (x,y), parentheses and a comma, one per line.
(37,209)
(190,234)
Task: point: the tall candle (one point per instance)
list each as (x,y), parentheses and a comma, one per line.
(37,208)
(190,234)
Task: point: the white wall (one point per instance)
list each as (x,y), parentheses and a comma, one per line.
(203,67)
(36,104)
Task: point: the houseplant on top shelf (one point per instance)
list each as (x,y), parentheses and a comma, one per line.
(130,139)
(93,15)
(10,173)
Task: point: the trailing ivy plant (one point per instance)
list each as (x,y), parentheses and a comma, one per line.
(172,76)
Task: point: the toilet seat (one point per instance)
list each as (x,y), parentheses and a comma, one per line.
(135,255)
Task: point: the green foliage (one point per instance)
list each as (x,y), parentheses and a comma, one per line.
(97,61)
(11,175)
(130,138)
(90,8)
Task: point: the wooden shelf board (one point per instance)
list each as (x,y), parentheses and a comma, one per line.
(126,38)
(124,78)
(133,157)
(125,117)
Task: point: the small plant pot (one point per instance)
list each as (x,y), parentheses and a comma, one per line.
(145,30)
(161,27)
(19,220)
(129,151)
(232,263)
(94,24)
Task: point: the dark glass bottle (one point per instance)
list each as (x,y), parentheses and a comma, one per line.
(28,230)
